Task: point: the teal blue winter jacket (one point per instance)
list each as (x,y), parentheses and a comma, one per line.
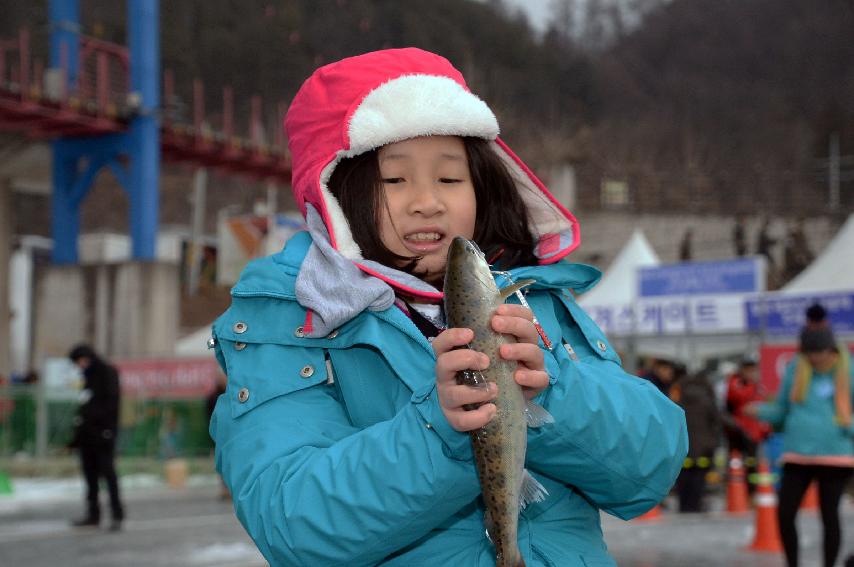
(337,452)
(809,427)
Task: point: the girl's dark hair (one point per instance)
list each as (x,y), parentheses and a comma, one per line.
(501,225)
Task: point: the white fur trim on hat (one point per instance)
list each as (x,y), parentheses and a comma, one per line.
(427,105)
(340,228)
(403,108)
(418,105)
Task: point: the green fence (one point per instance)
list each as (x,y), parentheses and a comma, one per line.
(147,428)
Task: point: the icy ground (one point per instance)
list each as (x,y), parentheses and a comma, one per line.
(192,527)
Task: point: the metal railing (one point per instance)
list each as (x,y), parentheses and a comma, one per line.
(33,426)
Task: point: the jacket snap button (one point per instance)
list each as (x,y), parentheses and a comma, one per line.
(243,395)
(306,371)
(239,346)
(602,346)
(240,327)
(333,334)
(211,343)
(299,333)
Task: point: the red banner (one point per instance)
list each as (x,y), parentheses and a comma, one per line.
(168,378)
(773,360)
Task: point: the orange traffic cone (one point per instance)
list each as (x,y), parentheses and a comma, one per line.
(653,514)
(767,536)
(810,500)
(737,499)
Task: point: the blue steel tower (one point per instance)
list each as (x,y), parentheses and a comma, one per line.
(77,160)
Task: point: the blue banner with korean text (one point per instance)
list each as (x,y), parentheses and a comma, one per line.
(743,275)
(784,314)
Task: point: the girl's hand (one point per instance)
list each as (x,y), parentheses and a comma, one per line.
(452,396)
(518,321)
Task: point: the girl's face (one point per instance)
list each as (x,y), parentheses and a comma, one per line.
(429,199)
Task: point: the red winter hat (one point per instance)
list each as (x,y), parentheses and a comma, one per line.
(361,103)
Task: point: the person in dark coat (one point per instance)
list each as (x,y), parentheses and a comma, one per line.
(739,237)
(661,374)
(96,427)
(697,397)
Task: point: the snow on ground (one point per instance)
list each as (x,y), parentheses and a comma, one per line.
(42,493)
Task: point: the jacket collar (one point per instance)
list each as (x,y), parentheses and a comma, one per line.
(275,276)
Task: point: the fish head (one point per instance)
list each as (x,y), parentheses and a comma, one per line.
(467,276)
(462,247)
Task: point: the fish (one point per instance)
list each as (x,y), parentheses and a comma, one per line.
(471,298)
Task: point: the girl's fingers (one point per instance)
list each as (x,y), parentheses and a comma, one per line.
(451,362)
(519,326)
(469,420)
(532,381)
(456,396)
(526,354)
(448,339)
(513,310)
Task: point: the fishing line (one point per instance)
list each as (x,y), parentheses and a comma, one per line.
(506,275)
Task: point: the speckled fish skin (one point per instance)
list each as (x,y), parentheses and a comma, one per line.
(471,298)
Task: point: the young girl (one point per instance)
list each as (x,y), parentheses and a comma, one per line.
(813,409)
(342,434)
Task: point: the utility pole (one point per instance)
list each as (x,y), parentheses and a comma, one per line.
(200,184)
(833,171)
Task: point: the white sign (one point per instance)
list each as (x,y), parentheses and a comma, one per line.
(62,380)
(672,315)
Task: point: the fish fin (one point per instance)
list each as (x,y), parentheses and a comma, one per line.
(532,491)
(487,525)
(511,289)
(536,415)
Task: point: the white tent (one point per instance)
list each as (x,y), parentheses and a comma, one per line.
(833,270)
(619,289)
(195,343)
(619,285)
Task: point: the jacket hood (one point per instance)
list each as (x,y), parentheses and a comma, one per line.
(362,103)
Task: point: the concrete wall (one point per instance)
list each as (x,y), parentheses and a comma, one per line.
(124,310)
(603,235)
(61,317)
(146,309)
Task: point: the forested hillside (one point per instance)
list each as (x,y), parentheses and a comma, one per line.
(699,105)
(729,105)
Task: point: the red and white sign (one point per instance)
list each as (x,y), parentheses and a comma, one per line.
(168,378)
(773,360)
